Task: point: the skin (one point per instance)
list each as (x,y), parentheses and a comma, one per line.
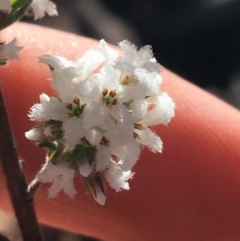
(189,192)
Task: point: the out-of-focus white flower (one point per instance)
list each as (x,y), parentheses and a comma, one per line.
(102,116)
(10,50)
(37,8)
(133,59)
(41,7)
(5,6)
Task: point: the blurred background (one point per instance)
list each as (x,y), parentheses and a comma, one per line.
(197,39)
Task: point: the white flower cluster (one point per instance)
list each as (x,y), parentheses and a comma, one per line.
(38,8)
(101,117)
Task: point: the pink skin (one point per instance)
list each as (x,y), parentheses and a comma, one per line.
(189,192)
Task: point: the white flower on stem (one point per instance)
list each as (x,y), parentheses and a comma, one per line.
(10,50)
(86,65)
(102,116)
(148,83)
(133,59)
(150,139)
(41,7)
(131,154)
(53,109)
(63,71)
(61,178)
(5,6)
(109,54)
(162,111)
(117,178)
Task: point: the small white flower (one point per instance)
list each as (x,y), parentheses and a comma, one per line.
(162,112)
(132,152)
(109,54)
(150,139)
(63,71)
(117,178)
(86,65)
(148,82)
(53,109)
(61,178)
(10,50)
(132,59)
(40,7)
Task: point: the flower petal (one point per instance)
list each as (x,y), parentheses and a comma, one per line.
(85,168)
(117,178)
(163,111)
(60,176)
(40,7)
(73,132)
(150,139)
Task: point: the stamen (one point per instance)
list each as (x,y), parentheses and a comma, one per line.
(104,141)
(76,101)
(112,93)
(138,126)
(136,136)
(69,106)
(83,106)
(105,91)
(115,102)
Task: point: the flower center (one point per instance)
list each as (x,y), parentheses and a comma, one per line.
(108,98)
(75,107)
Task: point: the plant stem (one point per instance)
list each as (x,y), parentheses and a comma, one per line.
(15,179)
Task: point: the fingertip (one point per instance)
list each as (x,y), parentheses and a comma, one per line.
(199,164)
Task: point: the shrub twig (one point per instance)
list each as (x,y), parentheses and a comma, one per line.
(15,181)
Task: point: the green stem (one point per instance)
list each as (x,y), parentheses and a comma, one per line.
(18,9)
